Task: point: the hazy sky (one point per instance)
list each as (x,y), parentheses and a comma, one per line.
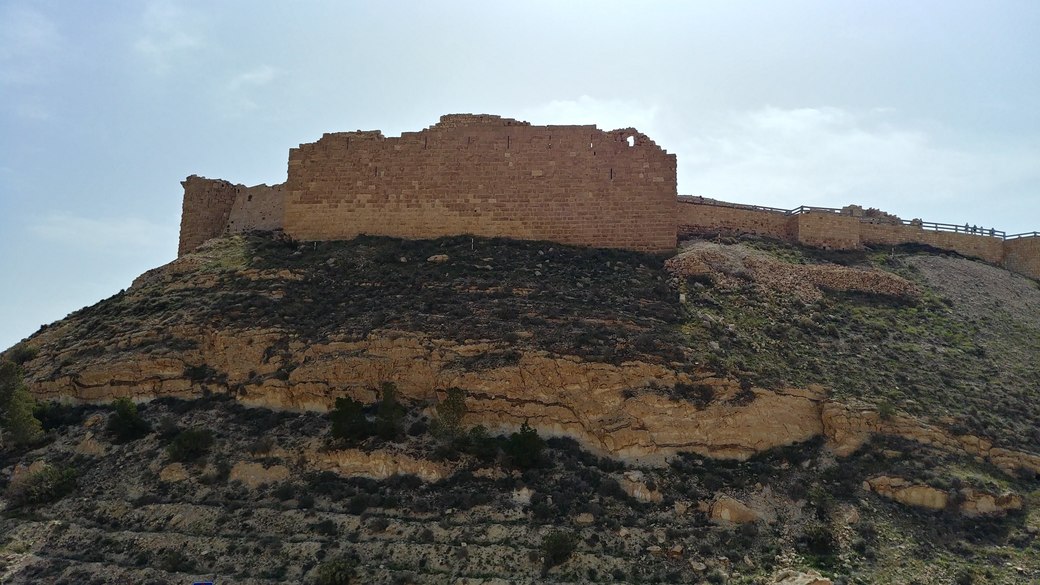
(926,109)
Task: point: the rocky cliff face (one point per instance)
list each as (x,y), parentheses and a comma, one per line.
(643,365)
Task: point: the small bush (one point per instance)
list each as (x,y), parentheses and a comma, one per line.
(525,447)
(55,415)
(125,424)
(389,413)
(557,547)
(175,561)
(49,484)
(348,421)
(17,422)
(190,444)
(22,353)
(886,410)
(450,412)
(335,572)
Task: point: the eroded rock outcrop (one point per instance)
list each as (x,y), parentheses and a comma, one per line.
(968,501)
(848,426)
(616,410)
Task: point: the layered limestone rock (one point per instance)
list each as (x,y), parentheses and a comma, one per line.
(791,577)
(727,509)
(616,410)
(904,492)
(969,502)
(848,426)
(375,464)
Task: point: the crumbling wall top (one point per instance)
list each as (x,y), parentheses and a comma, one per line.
(461,120)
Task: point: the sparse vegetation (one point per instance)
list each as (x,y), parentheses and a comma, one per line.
(17,423)
(557,547)
(190,444)
(525,447)
(125,424)
(335,572)
(46,485)
(450,412)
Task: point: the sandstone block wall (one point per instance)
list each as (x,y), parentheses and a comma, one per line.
(1023,256)
(700,219)
(827,230)
(845,231)
(990,249)
(487,176)
(213,207)
(257,208)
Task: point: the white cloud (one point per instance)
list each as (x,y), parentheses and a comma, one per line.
(607,114)
(831,156)
(168,33)
(124,236)
(260,76)
(239,94)
(28,40)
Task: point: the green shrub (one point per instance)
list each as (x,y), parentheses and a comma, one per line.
(175,561)
(17,422)
(886,410)
(389,413)
(525,447)
(125,424)
(22,353)
(348,421)
(47,485)
(557,547)
(335,572)
(450,411)
(479,444)
(190,444)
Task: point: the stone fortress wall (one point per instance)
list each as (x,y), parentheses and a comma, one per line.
(486,176)
(490,176)
(852,228)
(213,207)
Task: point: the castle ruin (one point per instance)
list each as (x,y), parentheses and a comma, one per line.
(490,176)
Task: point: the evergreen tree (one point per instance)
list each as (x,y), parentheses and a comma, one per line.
(17,423)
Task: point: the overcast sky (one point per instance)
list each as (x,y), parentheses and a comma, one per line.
(925,109)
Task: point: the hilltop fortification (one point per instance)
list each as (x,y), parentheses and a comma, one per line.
(491,176)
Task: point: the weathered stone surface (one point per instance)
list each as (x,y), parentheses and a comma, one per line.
(791,577)
(254,475)
(375,464)
(971,502)
(557,395)
(978,503)
(727,509)
(173,472)
(848,426)
(90,446)
(731,265)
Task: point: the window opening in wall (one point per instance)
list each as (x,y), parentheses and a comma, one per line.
(611,174)
(631,140)
(507,142)
(425,142)
(249,198)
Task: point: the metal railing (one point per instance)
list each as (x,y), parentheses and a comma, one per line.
(1023,235)
(971,230)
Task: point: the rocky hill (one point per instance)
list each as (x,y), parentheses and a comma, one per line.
(492,411)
